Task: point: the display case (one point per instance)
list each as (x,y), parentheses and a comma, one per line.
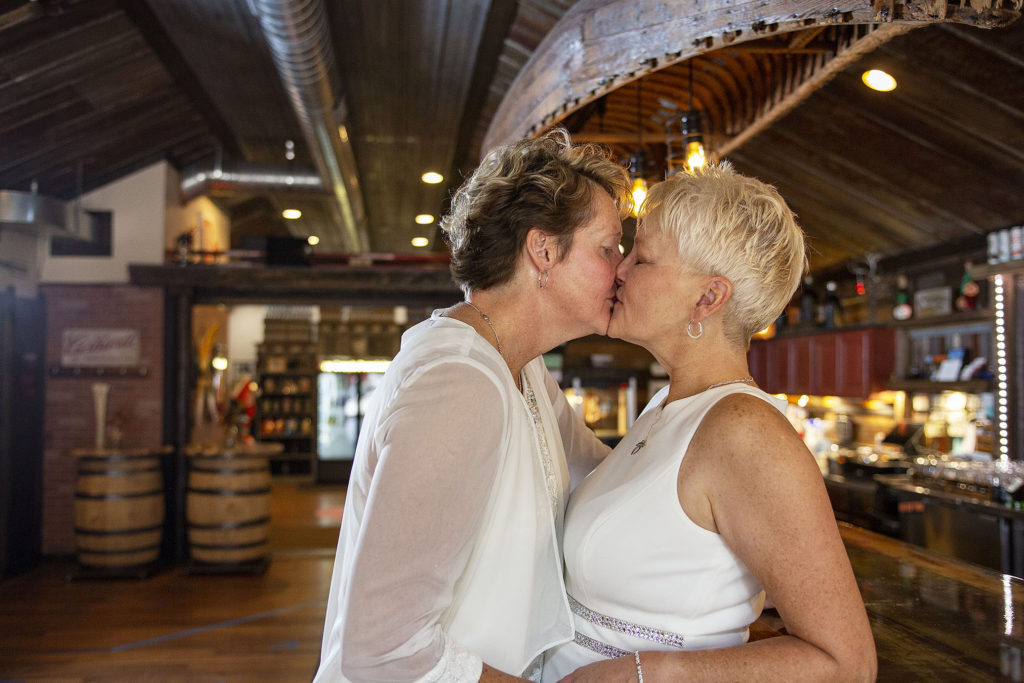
(287,405)
(1007,281)
(924,344)
(344,389)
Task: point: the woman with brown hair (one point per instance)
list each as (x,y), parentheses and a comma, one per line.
(449,562)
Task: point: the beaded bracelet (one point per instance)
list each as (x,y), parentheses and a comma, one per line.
(639,669)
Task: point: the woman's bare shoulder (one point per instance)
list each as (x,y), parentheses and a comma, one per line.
(747,434)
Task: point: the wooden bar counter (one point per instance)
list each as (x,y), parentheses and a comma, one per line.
(935,618)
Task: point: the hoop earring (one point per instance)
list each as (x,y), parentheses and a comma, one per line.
(542,279)
(700,330)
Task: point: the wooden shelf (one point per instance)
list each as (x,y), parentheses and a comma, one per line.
(290,370)
(973,386)
(962,317)
(983,270)
(303,456)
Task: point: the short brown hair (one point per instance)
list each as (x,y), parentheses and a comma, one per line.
(545,183)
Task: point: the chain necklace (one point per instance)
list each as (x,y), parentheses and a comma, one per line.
(643,442)
(744,380)
(488,321)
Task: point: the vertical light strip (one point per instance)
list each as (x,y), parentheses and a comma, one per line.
(1002,374)
(1007,605)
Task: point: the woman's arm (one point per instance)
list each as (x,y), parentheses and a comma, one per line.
(583,450)
(763,492)
(439,447)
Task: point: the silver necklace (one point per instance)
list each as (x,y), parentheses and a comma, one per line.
(643,442)
(743,380)
(488,321)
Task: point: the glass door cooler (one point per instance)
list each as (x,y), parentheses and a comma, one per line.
(344,388)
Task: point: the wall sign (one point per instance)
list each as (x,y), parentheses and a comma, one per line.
(99,347)
(933,301)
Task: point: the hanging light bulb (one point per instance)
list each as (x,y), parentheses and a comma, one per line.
(638,162)
(639,192)
(685,139)
(693,139)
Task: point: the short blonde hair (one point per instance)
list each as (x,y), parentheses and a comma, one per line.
(740,228)
(546,183)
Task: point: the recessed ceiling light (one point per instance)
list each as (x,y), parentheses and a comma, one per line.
(432,177)
(878,80)
(313,240)
(420,241)
(291,214)
(424,219)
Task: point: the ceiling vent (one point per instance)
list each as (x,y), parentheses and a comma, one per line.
(31,211)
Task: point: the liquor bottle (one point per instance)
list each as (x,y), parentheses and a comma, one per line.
(903,310)
(967,300)
(808,303)
(833,307)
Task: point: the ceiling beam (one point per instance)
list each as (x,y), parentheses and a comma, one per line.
(499,20)
(156,37)
(600,45)
(19,15)
(819,77)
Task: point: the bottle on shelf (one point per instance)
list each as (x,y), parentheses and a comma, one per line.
(967,300)
(833,306)
(902,310)
(808,303)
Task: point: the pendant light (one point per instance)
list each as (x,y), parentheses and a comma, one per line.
(685,139)
(638,162)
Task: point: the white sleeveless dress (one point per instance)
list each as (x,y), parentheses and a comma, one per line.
(640,574)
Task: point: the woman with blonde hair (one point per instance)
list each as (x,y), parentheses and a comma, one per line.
(711,499)
(449,563)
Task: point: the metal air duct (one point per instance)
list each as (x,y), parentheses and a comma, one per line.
(32,211)
(211,178)
(299,39)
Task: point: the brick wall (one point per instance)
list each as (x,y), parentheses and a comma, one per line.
(69,420)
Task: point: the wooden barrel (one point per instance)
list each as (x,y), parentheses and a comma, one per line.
(119,510)
(228,508)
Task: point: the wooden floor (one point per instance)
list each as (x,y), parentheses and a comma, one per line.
(173,627)
(933,618)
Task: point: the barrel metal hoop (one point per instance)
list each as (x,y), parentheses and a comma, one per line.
(125,551)
(227,471)
(224,546)
(117,473)
(117,496)
(230,525)
(117,458)
(230,492)
(118,532)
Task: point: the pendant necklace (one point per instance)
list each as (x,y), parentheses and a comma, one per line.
(643,442)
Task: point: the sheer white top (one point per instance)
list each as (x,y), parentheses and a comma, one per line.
(632,553)
(450,546)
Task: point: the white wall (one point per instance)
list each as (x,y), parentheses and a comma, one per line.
(245,331)
(209,226)
(137,202)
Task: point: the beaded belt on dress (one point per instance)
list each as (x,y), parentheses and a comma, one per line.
(651,634)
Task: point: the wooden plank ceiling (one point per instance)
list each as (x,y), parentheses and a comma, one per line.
(91,90)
